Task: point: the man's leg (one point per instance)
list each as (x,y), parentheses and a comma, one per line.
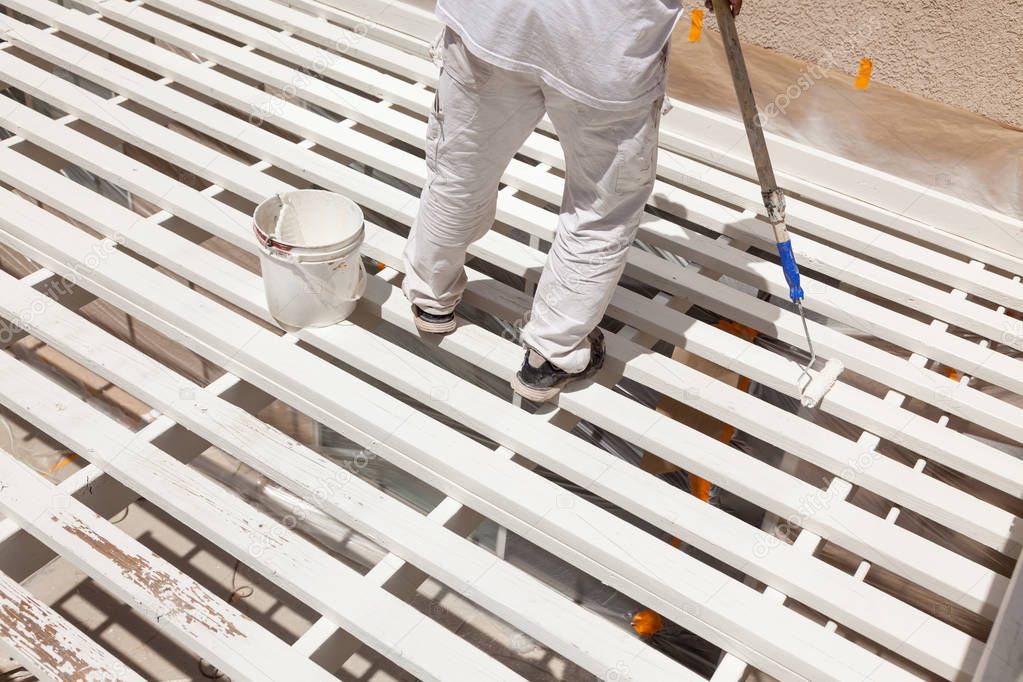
(611,159)
(481,117)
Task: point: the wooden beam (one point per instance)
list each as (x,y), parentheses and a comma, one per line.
(460,564)
(174,603)
(1003,657)
(508,494)
(391,626)
(838,463)
(47,645)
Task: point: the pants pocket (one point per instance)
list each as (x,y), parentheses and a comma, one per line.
(433,133)
(636,163)
(462,66)
(635,167)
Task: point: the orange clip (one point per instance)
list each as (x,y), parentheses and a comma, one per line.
(696,27)
(700,487)
(647,623)
(64,461)
(863,78)
(740,330)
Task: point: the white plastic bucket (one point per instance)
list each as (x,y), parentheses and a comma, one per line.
(312,270)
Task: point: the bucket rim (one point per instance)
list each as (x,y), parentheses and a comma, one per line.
(270,241)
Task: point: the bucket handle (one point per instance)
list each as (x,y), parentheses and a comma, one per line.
(268,241)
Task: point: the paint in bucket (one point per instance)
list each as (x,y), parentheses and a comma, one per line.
(309,252)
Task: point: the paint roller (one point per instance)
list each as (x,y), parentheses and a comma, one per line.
(815,387)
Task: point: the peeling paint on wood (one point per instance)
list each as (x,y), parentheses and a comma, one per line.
(191,603)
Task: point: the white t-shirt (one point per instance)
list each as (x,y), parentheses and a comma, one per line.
(608,54)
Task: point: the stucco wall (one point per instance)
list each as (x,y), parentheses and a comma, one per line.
(965,53)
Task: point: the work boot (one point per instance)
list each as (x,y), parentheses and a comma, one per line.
(540,381)
(430,323)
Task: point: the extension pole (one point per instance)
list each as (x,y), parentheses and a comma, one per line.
(774,198)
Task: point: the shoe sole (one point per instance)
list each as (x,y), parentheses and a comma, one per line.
(434,327)
(538,395)
(543,395)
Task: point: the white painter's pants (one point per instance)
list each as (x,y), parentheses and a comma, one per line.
(482,116)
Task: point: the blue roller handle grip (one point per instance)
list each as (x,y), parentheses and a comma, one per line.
(791,270)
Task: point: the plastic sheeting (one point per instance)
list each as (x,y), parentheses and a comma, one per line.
(953,151)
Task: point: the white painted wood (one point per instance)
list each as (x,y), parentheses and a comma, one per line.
(1003,656)
(833,227)
(520,259)
(377,31)
(673,199)
(902,205)
(508,494)
(330,646)
(956,591)
(925,573)
(513,595)
(934,392)
(931,497)
(47,645)
(388,624)
(702,177)
(968,461)
(401,16)
(21,555)
(354,41)
(186,259)
(174,603)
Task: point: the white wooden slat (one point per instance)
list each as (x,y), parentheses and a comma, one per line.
(21,555)
(925,572)
(719,141)
(693,207)
(330,646)
(725,186)
(481,575)
(1003,656)
(391,626)
(838,229)
(354,42)
(498,489)
(882,198)
(989,415)
(188,259)
(840,488)
(768,381)
(373,27)
(858,356)
(930,496)
(174,603)
(410,19)
(854,405)
(885,472)
(885,323)
(511,594)
(956,593)
(47,645)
